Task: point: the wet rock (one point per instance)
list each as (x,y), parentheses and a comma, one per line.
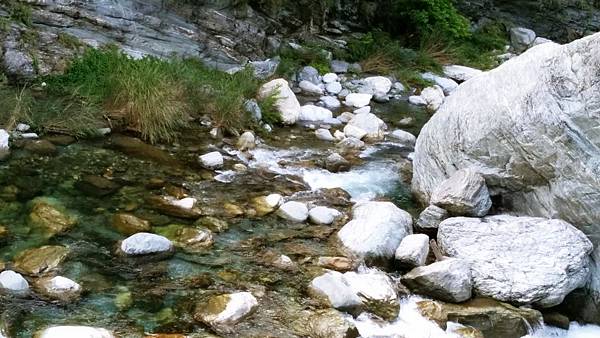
(448,280)
(74,331)
(324,135)
(246,141)
(47,214)
(287,104)
(97,186)
(309,74)
(137,148)
(433,98)
(413,251)
(224,311)
(341,264)
(430,218)
(212,160)
(41,147)
(463,194)
(293,211)
(494,319)
(266,204)
(522,260)
(3,232)
(405,138)
(313,113)
(173,207)
(190,239)
(310,88)
(144,243)
(13,281)
(331,324)
(358,100)
(353,291)
(373,126)
(521,38)
(39,261)
(460,73)
(336,163)
(59,288)
(557,320)
(323,215)
(212,223)
(447,85)
(129,224)
(376,230)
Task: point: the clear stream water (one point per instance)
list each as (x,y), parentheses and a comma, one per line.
(133,297)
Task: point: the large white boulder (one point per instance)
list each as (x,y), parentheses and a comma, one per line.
(525,260)
(413,250)
(373,126)
(532,137)
(74,332)
(287,104)
(314,113)
(358,100)
(144,243)
(376,230)
(463,194)
(433,97)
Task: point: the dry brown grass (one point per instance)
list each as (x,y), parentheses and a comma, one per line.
(378,63)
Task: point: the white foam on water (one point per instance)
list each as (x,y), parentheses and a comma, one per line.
(575,331)
(365,182)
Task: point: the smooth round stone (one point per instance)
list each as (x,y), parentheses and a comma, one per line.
(13,281)
(293,211)
(323,215)
(144,243)
(330,77)
(74,332)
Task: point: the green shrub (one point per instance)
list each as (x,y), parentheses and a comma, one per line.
(270,114)
(20,12)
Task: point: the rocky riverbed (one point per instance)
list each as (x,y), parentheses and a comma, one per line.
(322,228)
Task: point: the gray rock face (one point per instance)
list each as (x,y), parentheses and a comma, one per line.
(252,108)
(533,138)
(524,260)
(521,38)
(338,66)
(463,194)
(431,217)
(376,230)
(448,280)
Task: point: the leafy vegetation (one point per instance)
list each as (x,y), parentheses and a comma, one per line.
(270,115)
(309,55)
(19,12)
(153,97)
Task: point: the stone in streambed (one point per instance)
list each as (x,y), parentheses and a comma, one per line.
(73,332)
(293,211)
(39,261)
(463,194)
(13,281)
(212,160)
(50,215)
(323,215)
(224,311)
(129,224)
(413,250)
(59,288)
(144,243)
(448,280)
(287,104)
(97,185)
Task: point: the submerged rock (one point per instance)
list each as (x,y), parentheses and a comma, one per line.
(494,319)
(97,185)
(41,147)
(224,311)
(48,215)
(287,104)
(463,194)
(129,224)
(331,324)
(39,261)
(522,260)
(266,204)
(190,239)
(12,281)
(144,243)
(184,208)
(73,331)
(59,288)
(448,280)
(376,230)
